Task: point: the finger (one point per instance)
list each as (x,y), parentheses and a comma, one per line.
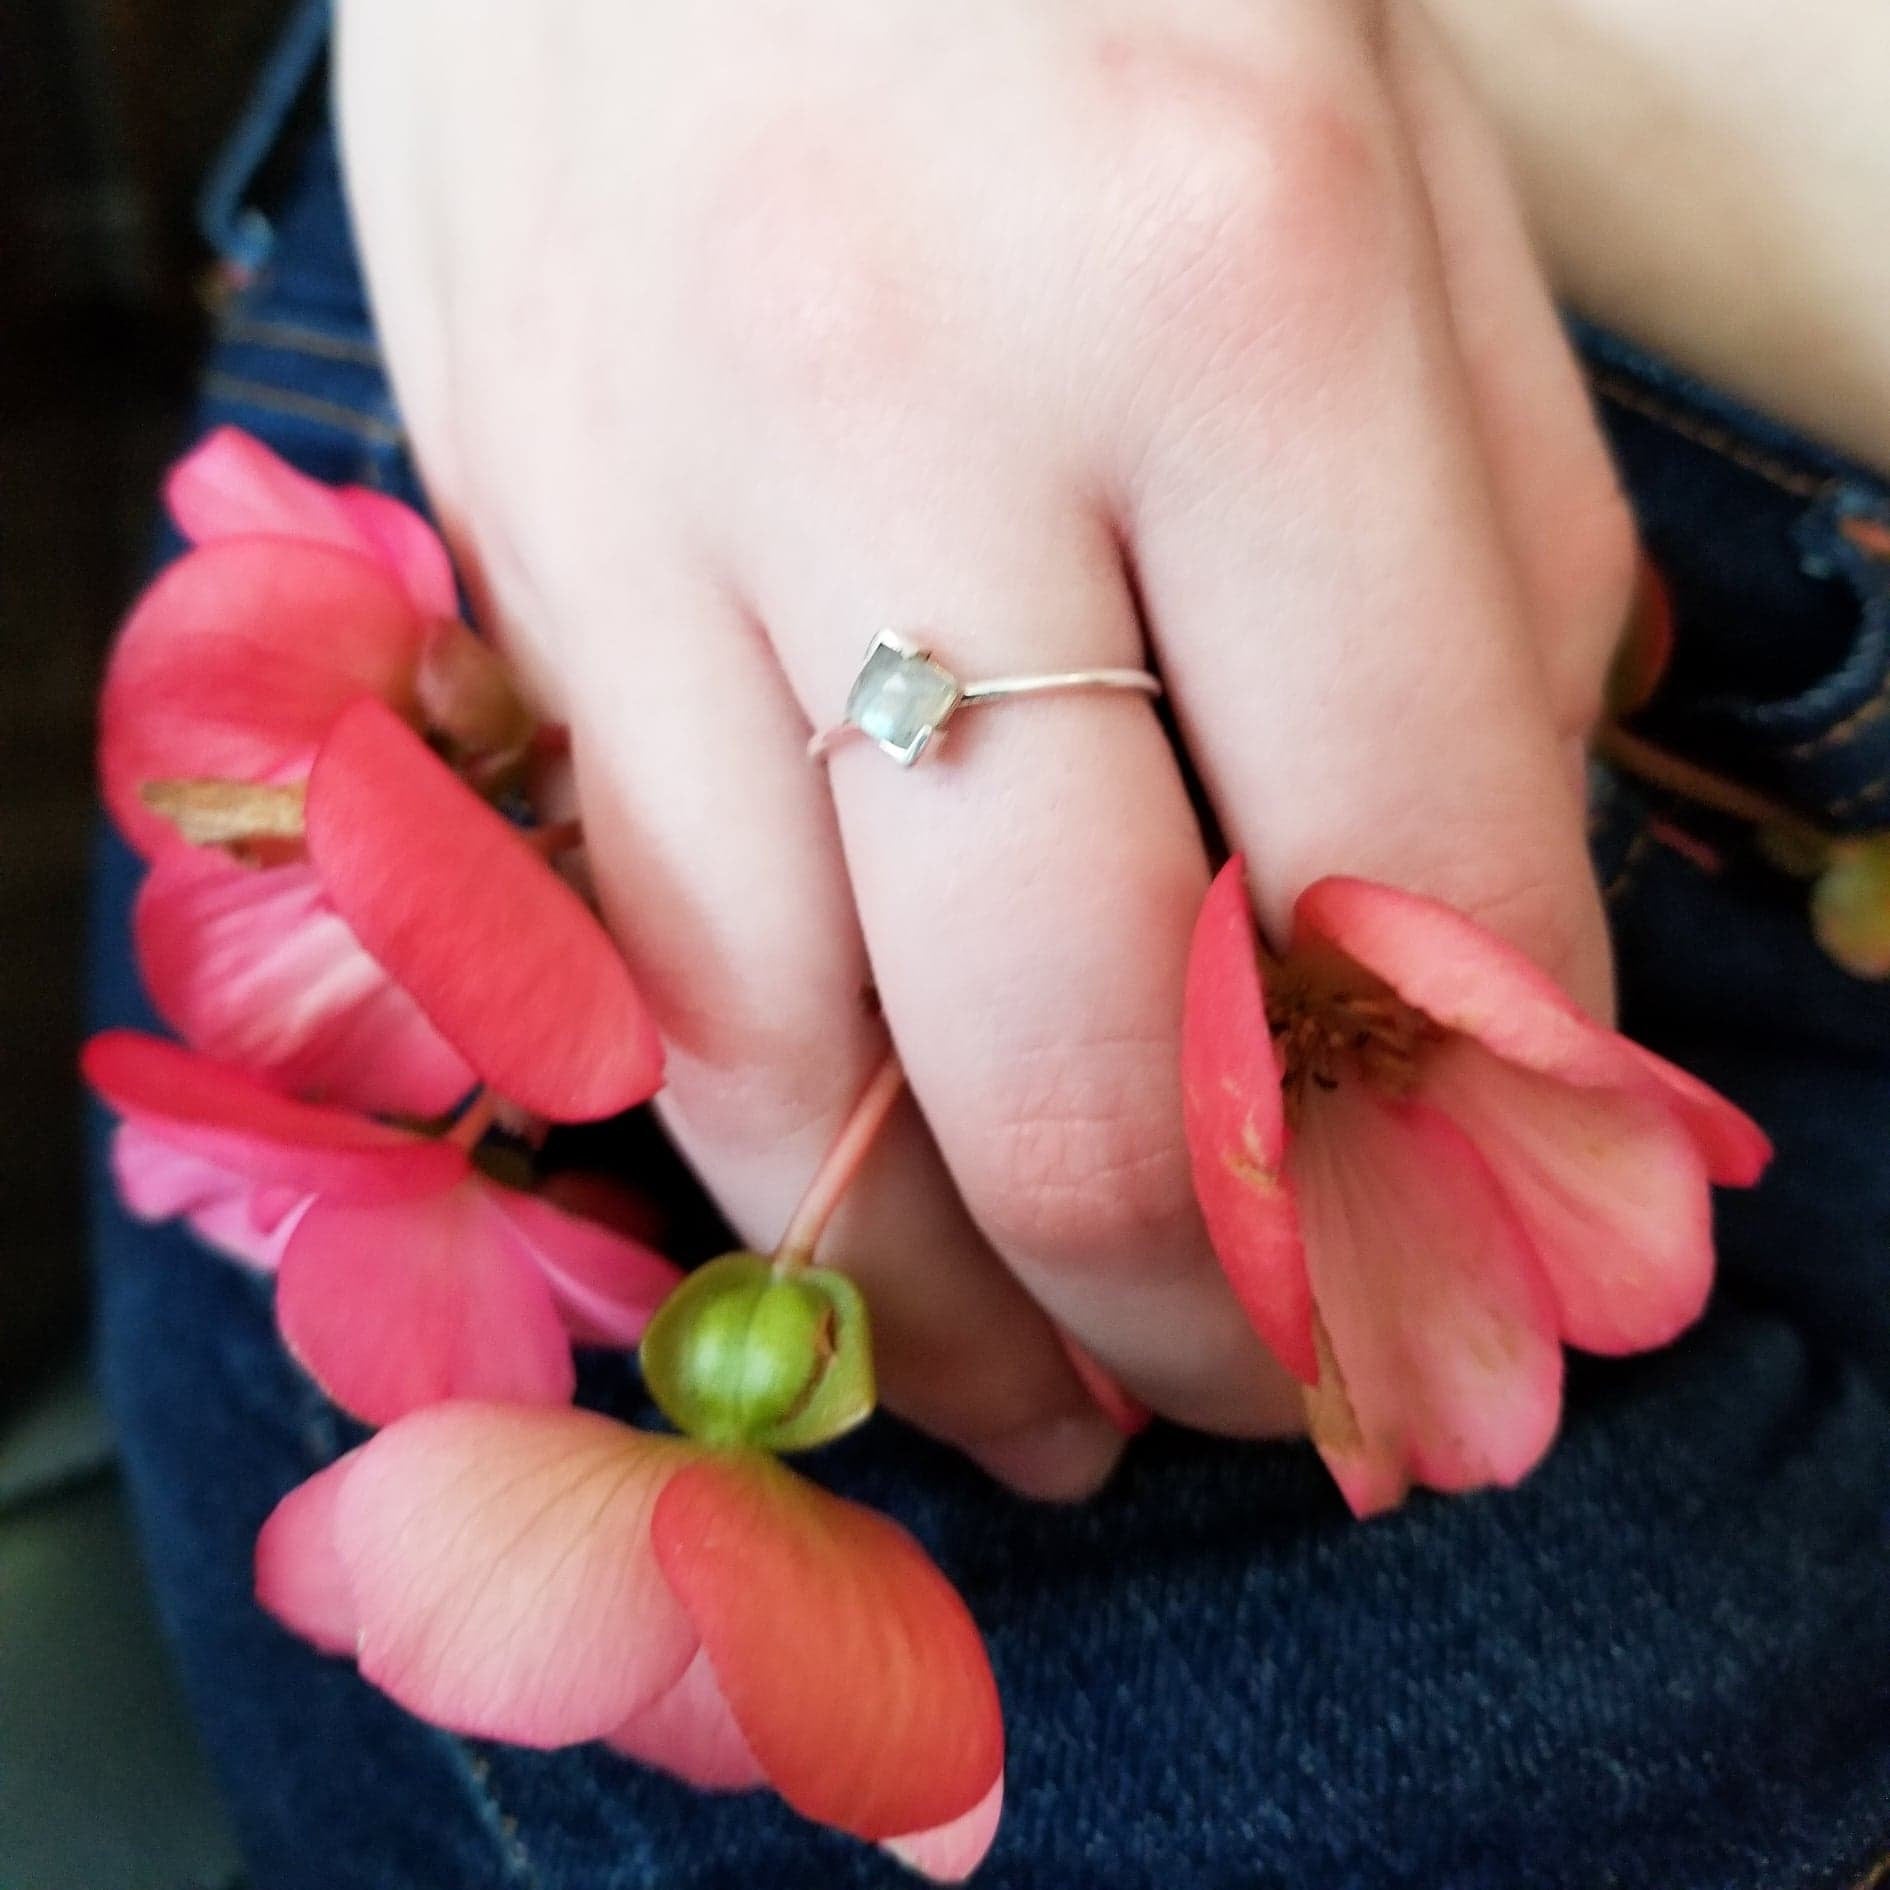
(1027,896)
(1563,511)
(713,848)
(1327,579)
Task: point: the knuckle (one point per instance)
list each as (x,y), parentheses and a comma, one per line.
(769,1095)
(805,268)
(1082,1158)
(1557,923)
(1250,191)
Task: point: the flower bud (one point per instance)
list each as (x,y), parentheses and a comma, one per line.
(1850,906)
(465,692)
(739,1354)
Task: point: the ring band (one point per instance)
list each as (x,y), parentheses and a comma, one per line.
(903,697)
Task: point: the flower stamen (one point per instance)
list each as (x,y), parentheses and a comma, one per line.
(1324,1033)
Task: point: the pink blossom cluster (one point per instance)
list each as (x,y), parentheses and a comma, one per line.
(354,920)
(1424,1170)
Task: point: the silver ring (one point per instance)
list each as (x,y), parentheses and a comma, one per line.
(903,697)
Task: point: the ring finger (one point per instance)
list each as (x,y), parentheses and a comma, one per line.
(1027,896)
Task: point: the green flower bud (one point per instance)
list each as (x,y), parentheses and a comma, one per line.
(740,1355)
(1850,906)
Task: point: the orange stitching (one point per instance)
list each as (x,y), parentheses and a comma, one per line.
(295,338)
(1871,536)
(1876,1877)
(1788,478)
(364,426)
(1864,797)
(1638,849)
(1840,734)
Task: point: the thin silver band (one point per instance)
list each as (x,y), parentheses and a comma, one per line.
(1137,679)
(903,697)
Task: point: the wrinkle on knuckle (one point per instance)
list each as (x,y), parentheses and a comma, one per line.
(1081,1158)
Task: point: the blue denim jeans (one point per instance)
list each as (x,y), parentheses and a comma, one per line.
(1663,1664)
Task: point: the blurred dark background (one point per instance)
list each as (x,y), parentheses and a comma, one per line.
(110,112)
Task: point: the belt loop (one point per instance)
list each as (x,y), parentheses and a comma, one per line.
(231,221)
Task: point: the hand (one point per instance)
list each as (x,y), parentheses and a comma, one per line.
(732,331)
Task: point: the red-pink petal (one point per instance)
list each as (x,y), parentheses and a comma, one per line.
(226,1118)
(235,662)
(1440,1320)
(952,1852)
(230,485)
(1236,1125)
(605,1284)
(502,955)
(1463,976)
(1736,1150)
(499,1558)
(853,1669)
(1126,1412)
(159,1183)
(395,1307)
(256,968)
(690,1733)
(1608,1184)
(233,486)
(407,544)
(1471,981)
(299,1574)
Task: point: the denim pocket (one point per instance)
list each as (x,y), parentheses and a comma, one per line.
(1777,554)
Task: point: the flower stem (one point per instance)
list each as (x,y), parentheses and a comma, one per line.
(474,1120)
(836,1173)
(1636,756)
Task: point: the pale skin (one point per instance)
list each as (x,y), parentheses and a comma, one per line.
(1063,333)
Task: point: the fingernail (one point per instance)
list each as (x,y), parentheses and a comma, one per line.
(1062,1461)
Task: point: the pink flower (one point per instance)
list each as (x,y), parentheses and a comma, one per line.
(552,1577)
(1425,1170)
(296,601)
(507,962)
(271,675)
(422,945)
(404,1274)
(256,967)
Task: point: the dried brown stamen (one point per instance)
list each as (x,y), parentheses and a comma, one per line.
(1324,1033)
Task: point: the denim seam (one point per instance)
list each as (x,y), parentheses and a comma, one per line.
(323,1447)
(369,427)
(298,338)
(1716,439)
(506,1824)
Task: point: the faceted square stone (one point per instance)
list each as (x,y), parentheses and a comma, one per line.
(901,698)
